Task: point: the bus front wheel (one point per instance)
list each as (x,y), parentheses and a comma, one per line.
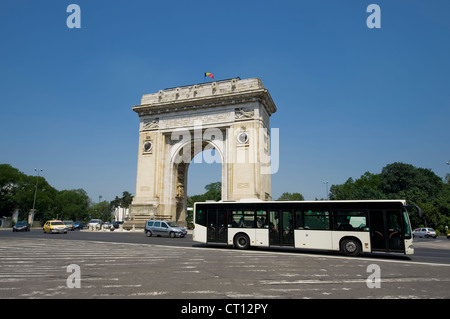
(241,241)
(351,247)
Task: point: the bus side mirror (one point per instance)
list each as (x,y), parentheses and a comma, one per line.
(419,211)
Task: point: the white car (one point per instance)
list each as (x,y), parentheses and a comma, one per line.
(424,232)
(95,223)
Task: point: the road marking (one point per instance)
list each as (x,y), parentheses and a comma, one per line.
(122,286)
(298,254)
(191,262)
(150,293)
(351,281)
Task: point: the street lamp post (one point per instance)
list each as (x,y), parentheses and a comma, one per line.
(31,215)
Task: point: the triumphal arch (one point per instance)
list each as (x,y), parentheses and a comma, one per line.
(230,118)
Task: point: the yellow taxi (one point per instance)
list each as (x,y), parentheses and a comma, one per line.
(55,226)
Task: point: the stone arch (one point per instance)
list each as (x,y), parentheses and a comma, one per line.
(189,119)
(180,163)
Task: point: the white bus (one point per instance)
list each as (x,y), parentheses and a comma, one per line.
(352,227)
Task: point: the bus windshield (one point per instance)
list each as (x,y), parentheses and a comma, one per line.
(406,225)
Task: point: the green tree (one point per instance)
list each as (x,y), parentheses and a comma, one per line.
(290,196)
(213,192)
(17,191)
(72,204)
(9,183)
(102,210)
(124,201)
(431,217)
(399,177)
(366,187)
(27,187)
(443,199)
(443,204)
(419,186)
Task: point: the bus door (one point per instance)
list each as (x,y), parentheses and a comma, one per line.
(217,226)
(281,230)
(386,230)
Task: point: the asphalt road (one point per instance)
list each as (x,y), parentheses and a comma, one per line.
(426,250)
(130,265)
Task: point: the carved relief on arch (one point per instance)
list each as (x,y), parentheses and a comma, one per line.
(151,124)
(180,181)
(242,114)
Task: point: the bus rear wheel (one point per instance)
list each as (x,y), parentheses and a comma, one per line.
(351,247)
(241,241)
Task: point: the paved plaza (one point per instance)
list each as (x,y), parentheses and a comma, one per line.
(44,268)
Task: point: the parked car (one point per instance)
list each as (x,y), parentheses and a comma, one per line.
(55,226)
(69,224)
(424,232)
(78,224)
(116,224)
(21,226)
(164,228)
(96,223)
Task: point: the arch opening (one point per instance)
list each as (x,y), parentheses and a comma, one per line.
(204,162)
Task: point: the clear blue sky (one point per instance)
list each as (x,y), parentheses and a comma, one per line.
(350,99)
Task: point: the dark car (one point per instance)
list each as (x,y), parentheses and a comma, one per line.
(78,224)
(116,224)
(21,226)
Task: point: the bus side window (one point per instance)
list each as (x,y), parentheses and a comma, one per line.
(299,223)
(261,219)
(249,219)
(319,220)
(234,218)
(350,220)
(242,219)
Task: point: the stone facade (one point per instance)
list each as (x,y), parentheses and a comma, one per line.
(229,116)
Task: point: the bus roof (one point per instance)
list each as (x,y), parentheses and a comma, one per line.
(403,201)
